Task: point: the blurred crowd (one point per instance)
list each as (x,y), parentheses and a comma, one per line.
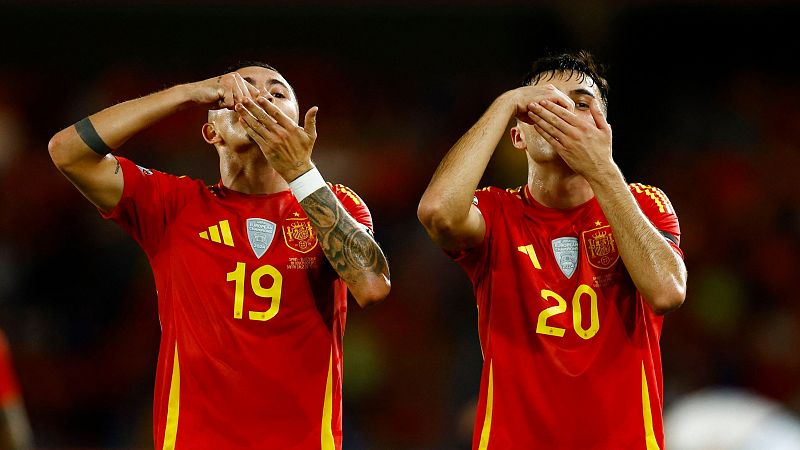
(717,132)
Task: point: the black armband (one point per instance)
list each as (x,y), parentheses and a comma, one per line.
(89,136)
(669,236)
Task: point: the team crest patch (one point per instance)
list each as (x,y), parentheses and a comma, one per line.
(601,248)
(260,233)
(565,250)
(298,234)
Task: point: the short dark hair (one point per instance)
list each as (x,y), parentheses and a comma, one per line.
(249,63)
(580,64)
(253,63)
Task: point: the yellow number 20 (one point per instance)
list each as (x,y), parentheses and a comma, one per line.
(561,307)
(273,292)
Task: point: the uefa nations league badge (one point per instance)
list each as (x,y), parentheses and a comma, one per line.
(260,233)
(565,250)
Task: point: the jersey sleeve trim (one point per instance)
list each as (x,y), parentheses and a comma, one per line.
(489,201)
(659,210)
(655,194)
(129,183)
(353,204)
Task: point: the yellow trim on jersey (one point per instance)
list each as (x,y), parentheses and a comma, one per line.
(346,191)
(171,430)
(515,191)
(487,419)
(327,411)
(656,200)
(649,434)
(657,195)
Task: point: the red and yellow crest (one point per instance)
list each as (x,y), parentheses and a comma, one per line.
(299,235)
(601,248)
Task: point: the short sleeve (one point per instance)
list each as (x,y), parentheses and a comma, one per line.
(9,389)
(474,260)
(149,202)
(657,207)
(353,204)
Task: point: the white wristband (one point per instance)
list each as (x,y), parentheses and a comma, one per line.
(306,184)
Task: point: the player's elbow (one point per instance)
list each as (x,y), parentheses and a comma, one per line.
(373,291)
(668,300)
(427,212)
(435,218)
(56,149)
(61,150)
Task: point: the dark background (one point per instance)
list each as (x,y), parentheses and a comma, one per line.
(704,103)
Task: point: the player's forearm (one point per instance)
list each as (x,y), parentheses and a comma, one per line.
(657,271)
(15,431)
(117,124)
(349,247)
(447,199)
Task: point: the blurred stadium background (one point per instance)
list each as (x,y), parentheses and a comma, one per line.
(705,103)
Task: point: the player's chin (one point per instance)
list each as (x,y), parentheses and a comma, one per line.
(544,152)
(240,132)
(239,139)
(250,144)
(541,145)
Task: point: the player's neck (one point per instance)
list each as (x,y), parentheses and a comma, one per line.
(557,186)
(249,173)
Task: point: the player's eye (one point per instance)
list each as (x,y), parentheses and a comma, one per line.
(278,95)
(581,105)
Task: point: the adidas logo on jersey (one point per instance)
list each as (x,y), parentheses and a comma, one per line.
(220,234)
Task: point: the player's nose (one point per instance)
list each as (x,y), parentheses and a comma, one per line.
(267,95)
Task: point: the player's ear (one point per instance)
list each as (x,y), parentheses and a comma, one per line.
(210,134)
(518,138)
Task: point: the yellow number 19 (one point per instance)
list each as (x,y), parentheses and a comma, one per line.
(273,292)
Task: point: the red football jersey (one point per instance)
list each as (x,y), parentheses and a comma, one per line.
(252,314)
(571,353)
(9,389)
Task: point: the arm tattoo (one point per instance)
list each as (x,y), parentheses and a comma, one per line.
(116,171)
(348,245)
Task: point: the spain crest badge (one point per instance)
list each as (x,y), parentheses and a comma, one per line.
(601,248)
(299,235)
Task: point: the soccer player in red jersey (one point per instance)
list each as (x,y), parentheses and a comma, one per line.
(251,273)
(15,431)
(572,271)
